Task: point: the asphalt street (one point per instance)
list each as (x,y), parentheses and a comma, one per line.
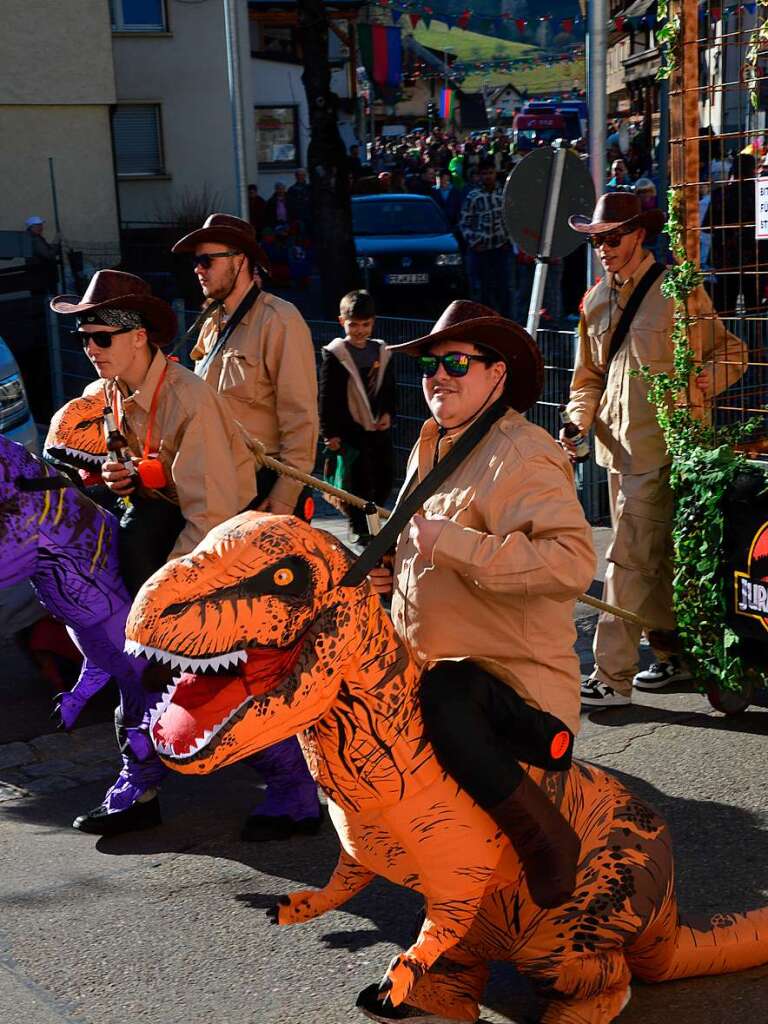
(168,926)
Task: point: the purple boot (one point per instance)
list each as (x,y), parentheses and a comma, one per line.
(131,802)
(290,806)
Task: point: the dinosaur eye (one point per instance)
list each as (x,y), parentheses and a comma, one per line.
(283,577)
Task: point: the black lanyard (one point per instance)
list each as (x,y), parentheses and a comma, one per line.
(644,285)
(411,501)
(237,316)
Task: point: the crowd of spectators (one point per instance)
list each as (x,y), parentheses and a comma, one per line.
(465,176)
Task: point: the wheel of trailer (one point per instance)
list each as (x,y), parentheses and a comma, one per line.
(730,702)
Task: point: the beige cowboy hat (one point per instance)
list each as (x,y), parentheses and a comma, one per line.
(469,321)
(114,289)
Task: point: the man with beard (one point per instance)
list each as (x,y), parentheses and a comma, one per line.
(256,351)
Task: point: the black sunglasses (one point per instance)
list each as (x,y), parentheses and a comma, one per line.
(455,364)
(101,339)
(612,239)
(206,258)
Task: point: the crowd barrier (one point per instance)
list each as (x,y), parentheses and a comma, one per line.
(71,371)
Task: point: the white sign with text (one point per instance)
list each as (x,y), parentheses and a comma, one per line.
(761,207)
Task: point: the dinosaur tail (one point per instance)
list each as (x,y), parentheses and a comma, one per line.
(712,945)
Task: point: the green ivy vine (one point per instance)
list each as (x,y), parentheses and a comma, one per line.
(667,39)
(704,464)
(758,43)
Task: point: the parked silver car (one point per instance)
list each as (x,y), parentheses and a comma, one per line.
(16,420)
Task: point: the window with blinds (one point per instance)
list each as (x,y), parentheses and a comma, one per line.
(136,132)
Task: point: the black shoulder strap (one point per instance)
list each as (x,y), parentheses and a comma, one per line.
(411,501)
(630,310)
(237,316)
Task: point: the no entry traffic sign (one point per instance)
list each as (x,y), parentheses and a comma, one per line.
(525,201)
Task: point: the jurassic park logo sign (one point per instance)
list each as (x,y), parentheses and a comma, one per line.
(751,587)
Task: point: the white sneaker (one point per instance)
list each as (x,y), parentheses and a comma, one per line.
(597,694)
(661,674)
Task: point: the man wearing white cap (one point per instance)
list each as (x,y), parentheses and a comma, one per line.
(42,263)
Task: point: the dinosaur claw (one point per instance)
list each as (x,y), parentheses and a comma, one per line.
(384,989)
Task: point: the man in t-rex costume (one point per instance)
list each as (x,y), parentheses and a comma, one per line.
(76,438)
(309,656)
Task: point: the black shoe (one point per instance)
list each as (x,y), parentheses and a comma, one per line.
(263,828)
(138,816)
(375,1009)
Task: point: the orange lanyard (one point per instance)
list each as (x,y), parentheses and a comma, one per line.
(152,412)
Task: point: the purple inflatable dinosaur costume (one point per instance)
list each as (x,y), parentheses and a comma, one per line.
(67,546)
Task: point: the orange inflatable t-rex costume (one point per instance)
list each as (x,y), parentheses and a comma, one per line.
(258,603)
(76,434)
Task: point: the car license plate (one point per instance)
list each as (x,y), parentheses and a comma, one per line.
(406,278)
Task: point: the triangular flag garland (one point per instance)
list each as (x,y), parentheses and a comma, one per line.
(460,69)
(505,25)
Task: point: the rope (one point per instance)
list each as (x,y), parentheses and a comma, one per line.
(320,485)
(352,499)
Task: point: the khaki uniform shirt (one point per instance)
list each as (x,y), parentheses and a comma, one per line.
(210,471)
(266,375)
(506,570)
(628,436)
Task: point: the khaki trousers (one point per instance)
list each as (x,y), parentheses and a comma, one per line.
(639,572)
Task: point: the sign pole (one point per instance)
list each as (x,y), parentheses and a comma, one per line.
(597,45)
(548,230)
(231,33)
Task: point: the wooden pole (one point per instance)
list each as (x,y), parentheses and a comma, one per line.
(352,499)
(685,170)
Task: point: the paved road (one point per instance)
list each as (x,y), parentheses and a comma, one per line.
(168,926)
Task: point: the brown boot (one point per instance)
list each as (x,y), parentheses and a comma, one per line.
(543,840)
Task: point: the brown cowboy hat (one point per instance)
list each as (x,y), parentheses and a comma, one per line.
(469,321)
(227,230)
(113,289)
(616,210)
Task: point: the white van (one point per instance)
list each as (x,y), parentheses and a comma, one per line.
(16,421)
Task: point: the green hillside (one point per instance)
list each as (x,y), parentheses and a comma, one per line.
(470,46)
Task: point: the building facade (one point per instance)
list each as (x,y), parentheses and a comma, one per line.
(57,87)
(172,122)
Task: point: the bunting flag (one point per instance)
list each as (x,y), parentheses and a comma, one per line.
(447,104)
(381,50)
(503,25)
(460,69)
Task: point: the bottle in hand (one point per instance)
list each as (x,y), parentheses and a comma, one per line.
(117,444)
(574,435)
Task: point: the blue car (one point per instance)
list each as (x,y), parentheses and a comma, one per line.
(404,244)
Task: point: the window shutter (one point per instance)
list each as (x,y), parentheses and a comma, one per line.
(136,133)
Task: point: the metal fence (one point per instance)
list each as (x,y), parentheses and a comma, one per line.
(72,371)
